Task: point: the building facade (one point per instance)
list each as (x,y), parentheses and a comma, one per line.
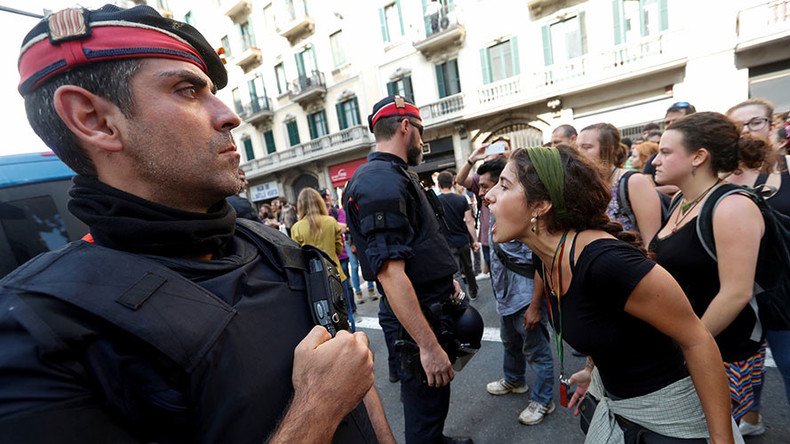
(304,74)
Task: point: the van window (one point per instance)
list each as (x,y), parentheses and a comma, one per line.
(33,226)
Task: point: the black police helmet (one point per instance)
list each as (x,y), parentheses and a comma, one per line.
(469,327)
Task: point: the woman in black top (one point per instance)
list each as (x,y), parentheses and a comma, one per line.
(609,301)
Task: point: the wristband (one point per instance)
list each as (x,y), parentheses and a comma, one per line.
(469,161)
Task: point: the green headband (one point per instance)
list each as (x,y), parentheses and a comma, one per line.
(548,165)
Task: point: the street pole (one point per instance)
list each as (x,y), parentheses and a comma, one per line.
(20,12)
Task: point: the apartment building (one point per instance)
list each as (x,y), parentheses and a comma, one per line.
(304,74)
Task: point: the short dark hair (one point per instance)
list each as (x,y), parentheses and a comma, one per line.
(567,130)
(686,107)
(109,80)
(493,167)
(386,127)
(653,134)
(652,126)
(445,180)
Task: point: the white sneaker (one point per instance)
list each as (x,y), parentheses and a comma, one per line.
(482,276)
(748,429)
(535,412)
(503,387)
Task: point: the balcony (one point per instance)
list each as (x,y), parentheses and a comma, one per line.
(502,89)
(249,59)
(442,33)
(239,11)
(444,110)
(764,24)
(258,112)
(308,88)
(299,27)
(335,144)
(559,73)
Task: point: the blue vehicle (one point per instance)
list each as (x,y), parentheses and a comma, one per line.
(33,214)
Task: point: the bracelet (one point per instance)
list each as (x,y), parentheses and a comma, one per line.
(469,161)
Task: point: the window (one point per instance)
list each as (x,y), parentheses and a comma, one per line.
(162,5)
(237,101)
(257,94)
(268,18)
(500,61)
(34,224)
(247,38)
(226,45)
(447,78)
(564,40)
(282,83)
(293,132)
(348,113)
(634,19)
(317,123)
(336,43)
(391,22)
(247,142)
(268,138)
(188,18)
(401,87)
(305,62)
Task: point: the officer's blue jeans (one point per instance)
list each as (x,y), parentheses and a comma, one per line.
(353,263)
(522,346)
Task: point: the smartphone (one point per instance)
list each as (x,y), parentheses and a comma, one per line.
(495,148)
(565,392)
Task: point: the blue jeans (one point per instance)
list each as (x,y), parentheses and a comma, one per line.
(522,346)
(354,265)
(779,341)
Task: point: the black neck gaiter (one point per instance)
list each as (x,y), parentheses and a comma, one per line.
(126,222)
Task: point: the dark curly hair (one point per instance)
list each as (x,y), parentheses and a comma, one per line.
(728,149)
(612,152)
(586,195)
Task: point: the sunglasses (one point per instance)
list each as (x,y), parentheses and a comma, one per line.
(419,127)
(681,105)
(757,123)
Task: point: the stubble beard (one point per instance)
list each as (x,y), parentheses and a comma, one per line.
(414,155)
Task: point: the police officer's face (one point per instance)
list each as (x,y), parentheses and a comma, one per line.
(508,204)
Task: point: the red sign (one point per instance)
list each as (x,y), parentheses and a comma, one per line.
(341,173)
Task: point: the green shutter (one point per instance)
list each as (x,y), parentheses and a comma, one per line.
(440,80)
(391,88)
(514,55)
(407,90)
(453,79)
(426,19)
(293,133)
(663,15)
(385,35)
(548,59)
(311,126)
(400,16)
(299,64)
(583,31)
(486,65)
(248,149)
(268,136)
(617,10)
(355,104)
(341,116)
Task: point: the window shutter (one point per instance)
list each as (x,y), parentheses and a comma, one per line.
(400,16)
(392,89)
(355,103)
(547,53)
(617,10)
(486,65)
(663,15)
(268,137)
(341,116)
(407,90)
(384,34)
(514,55)
(293,133)
(583,31)
(440,80)
(311,126)
(454,80)
(248,149)
(426,19)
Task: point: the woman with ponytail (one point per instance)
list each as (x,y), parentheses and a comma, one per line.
(608,300)
(694,153)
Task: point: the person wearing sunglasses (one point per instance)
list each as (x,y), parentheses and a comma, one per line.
(753,117)
(677,111)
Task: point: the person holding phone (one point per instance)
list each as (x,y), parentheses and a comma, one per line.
(650,355)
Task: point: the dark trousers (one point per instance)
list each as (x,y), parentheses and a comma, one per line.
(463,257)
(424,408)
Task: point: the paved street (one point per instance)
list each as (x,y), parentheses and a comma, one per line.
(494,419)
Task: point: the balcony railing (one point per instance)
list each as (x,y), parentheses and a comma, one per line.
(763,20)
(443,109)
(629,54)
(308,87)
(323,147)
(499,90)
(442,30)
(560,72)
(257,111)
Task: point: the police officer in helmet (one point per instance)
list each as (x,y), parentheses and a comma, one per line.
(173,321)
(400,245)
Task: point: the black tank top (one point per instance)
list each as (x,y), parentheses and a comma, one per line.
(781,200)
(684,257)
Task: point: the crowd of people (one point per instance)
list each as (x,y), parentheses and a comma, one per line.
(185,316)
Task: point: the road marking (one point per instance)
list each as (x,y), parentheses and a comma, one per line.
(491,334)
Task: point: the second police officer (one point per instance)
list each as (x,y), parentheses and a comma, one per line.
(400,244)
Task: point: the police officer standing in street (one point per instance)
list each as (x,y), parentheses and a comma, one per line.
(400,244)
(172,321)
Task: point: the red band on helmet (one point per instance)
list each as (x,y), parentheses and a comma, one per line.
(392,109)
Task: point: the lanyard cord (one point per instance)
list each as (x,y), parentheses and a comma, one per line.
(559,251)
